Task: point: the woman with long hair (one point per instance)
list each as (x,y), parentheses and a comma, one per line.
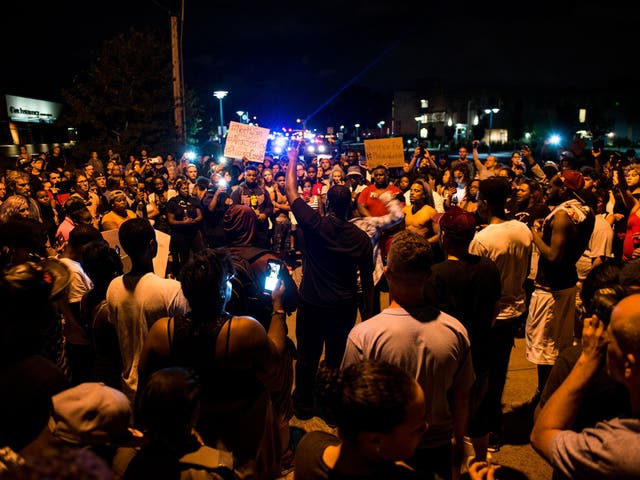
(268,180)
(14,207)
(237,361)
(469,202)
(419,214)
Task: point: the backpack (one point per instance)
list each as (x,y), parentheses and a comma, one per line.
(247,296)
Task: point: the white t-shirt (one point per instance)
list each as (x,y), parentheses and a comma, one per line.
(133,309)
(80,283)
(509,245)
(600,245)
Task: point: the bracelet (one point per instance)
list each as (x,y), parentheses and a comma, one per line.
(277,312)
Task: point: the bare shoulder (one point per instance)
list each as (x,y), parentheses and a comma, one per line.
(246,331)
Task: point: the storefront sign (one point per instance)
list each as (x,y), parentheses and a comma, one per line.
(22,109)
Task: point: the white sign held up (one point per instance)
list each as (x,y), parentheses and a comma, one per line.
(246,141)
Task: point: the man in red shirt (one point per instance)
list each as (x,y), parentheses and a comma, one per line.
(370,205)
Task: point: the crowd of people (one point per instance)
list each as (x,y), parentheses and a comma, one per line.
(124,373)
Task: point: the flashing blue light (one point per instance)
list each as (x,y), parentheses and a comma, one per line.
(277,150)
(554,139)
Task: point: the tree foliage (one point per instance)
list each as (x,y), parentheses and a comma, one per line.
(125,98)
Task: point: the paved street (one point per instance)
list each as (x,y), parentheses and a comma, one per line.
(517,458)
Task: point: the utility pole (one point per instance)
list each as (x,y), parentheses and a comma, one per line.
(176,62)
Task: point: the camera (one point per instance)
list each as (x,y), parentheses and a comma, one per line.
(605,299)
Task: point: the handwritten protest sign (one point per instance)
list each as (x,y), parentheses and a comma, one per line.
(384,151)
(246,141)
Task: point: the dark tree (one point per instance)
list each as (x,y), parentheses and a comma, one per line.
(125,98)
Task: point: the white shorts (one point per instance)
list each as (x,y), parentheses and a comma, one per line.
(549,326)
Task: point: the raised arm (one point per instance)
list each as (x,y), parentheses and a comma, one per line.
(291,185)
(476,159)
(560,411)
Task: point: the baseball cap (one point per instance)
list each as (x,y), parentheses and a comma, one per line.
(91,414)
(572,179)
(456,220)
(354,170)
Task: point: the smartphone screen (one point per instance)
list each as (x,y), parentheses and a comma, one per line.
(272,274)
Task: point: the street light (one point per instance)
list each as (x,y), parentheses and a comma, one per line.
(220,94)
(244,116)
(490,112)
(380,125)
(357,125)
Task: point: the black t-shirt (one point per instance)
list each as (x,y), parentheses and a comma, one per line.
(182,208)
(530,214)
(334,251)
(468,289)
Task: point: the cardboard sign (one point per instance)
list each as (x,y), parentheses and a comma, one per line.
(246,141)
(384,151)
(159,262)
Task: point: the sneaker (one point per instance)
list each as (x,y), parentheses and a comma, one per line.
(495,442)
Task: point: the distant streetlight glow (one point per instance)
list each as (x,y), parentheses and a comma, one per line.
(357,125)
(490,112)
(220,94)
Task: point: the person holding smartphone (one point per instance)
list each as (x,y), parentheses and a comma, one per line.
(238,361)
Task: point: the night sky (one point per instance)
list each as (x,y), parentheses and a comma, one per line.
(283,60)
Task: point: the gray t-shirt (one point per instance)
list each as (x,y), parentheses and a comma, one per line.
(432,346)
(611,449)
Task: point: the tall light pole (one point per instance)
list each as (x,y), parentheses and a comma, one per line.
(220,94)
(490,112)
(357,125)
(380,125)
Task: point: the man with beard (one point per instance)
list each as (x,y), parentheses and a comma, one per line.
(561,239)
(253,195)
